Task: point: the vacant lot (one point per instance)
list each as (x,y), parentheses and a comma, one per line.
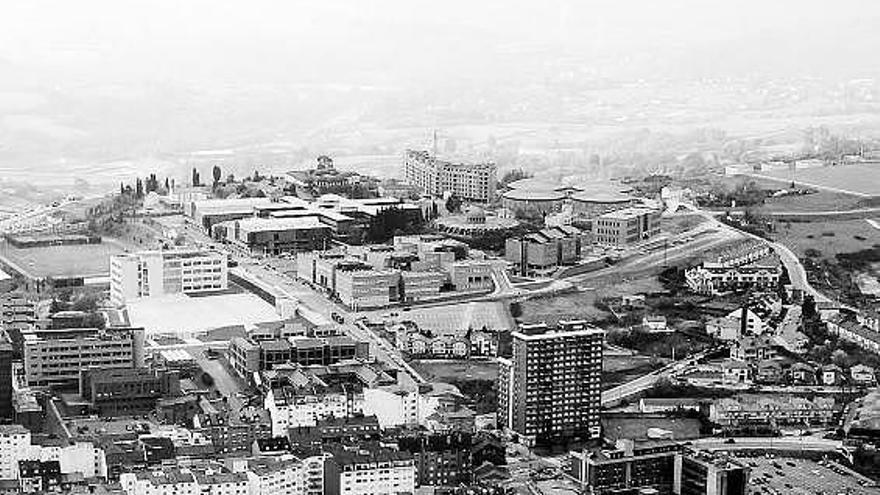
(617,370)
(817,201)
(827,238)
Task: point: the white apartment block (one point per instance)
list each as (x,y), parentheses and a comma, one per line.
(15,444)
(155,273)
(369,473)
(160,482)
(469,181)
(267,476)
(301,409)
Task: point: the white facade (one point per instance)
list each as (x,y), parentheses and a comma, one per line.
(15,444)
(379,476)
(392,405)
(306,410)
(276,477)
(167,482)
(155,273)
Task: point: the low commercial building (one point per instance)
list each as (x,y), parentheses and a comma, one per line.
(366,472)
(626,227)
(248,356)
(542,252)
(278,235)
(157,273)
(356,283)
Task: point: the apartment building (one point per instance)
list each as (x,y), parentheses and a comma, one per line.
(157,273)
(367,472)
(305,404)
(710,279)
(468,181)
(219,483)
(550,389)
(161,482)
(626,227)
(58,356)
(15,443)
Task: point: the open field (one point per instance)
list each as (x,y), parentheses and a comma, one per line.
(62,261)
(582,304)
(818,201)
(617,370)
(829,238)
(446,371)
(862,178)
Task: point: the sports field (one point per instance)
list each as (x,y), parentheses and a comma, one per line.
(61,261)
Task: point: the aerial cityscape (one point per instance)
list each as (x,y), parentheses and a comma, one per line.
(533,249)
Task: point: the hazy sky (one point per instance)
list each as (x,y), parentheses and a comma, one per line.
(256,40)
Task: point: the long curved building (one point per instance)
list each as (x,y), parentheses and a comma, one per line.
(533,201)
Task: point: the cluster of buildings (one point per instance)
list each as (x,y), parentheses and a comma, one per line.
(413,269)
(862,329)
(290,224)
(325,178)
(473,182)
(747,266)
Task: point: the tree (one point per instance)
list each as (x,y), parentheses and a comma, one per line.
(257,176)
(217,174)
(167,186)
(207,380)
(840,358)
(139,189)
(195,177)
(121,189)
(453,203)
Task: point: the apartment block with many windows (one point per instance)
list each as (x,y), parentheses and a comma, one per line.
(468,181)
(626,227)
(550,390)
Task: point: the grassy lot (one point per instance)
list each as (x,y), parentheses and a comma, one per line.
(447,371)
(617,370)
(818,201)
(828,238)
(63,261)
(680,223)
(861,178)
(582,304)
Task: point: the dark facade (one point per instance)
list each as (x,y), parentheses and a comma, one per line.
(441,460)
(115,392)
(39,476)
(345,431)
(6,358)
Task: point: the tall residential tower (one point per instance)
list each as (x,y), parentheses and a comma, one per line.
(550,390)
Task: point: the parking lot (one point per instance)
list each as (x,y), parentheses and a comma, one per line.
(792,476)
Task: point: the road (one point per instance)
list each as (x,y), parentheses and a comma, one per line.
(645,382)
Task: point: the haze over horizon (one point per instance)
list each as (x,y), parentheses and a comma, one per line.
(103,81)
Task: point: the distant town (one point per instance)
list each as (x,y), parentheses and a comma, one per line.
(458,329)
